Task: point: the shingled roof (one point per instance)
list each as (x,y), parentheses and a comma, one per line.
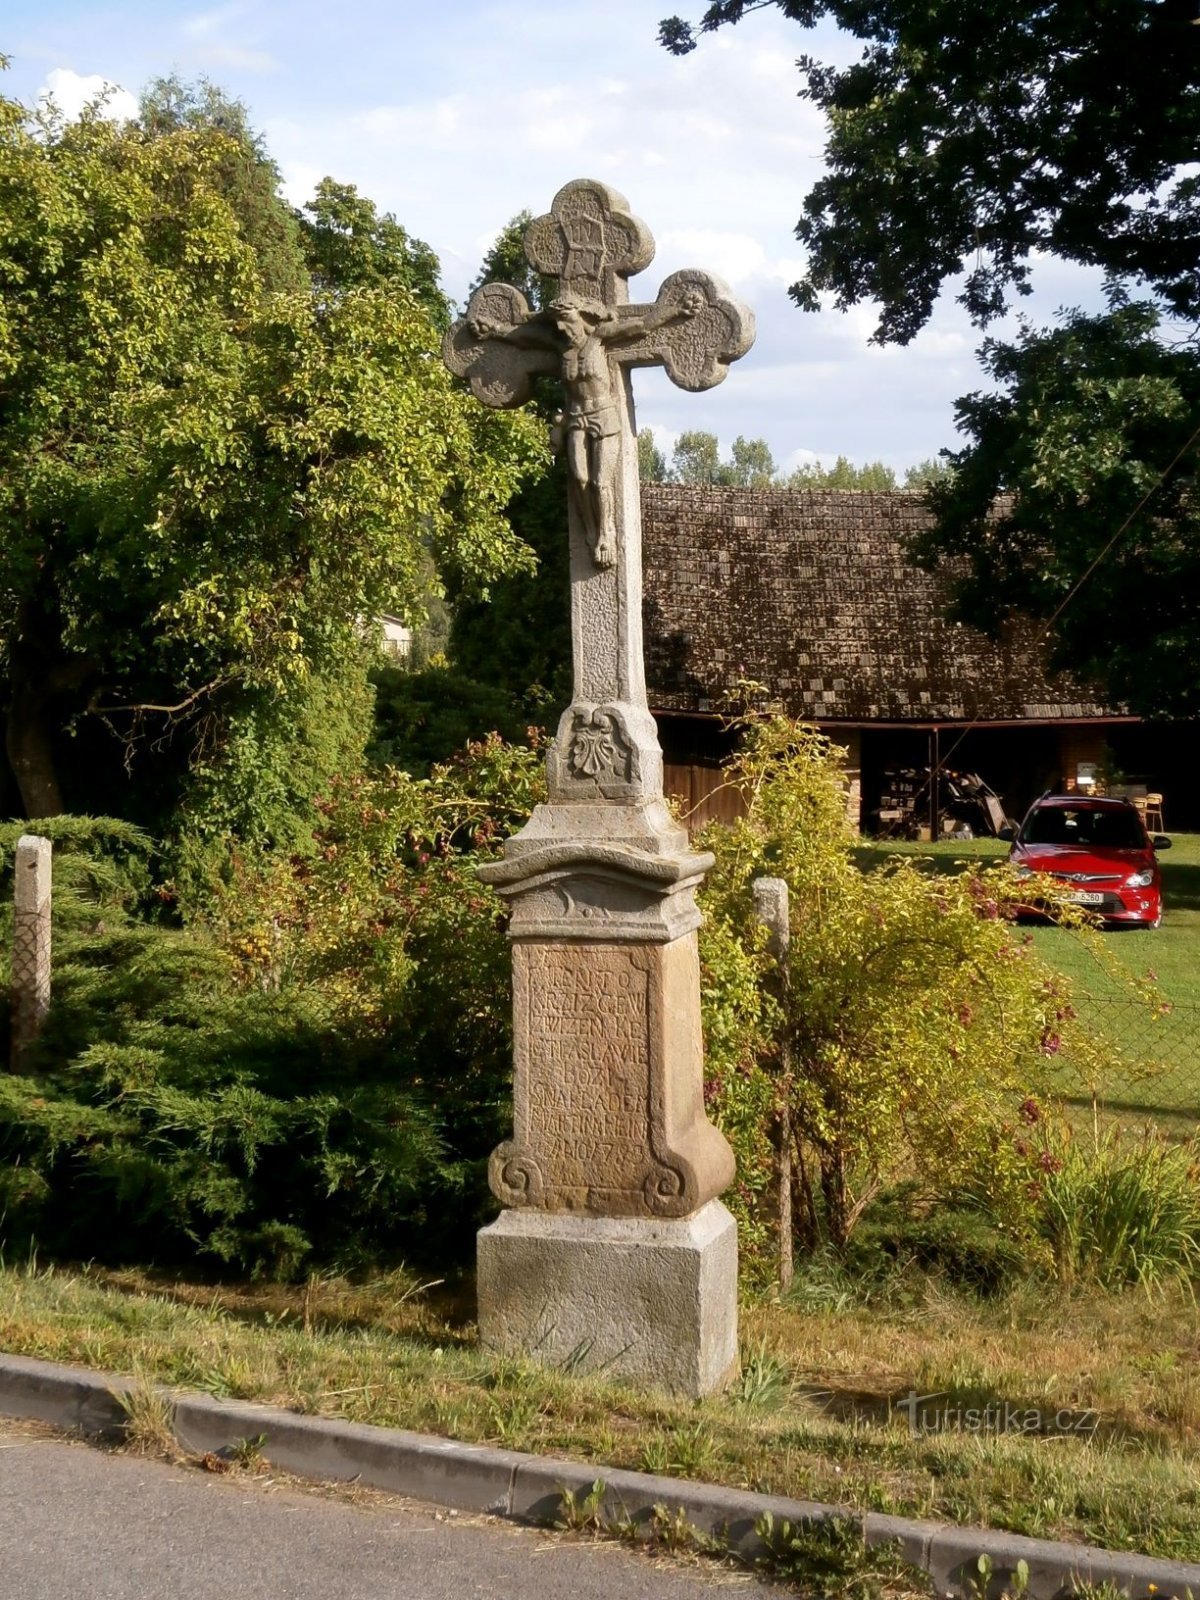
(808,592)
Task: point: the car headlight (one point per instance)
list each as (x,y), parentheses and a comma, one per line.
(1139,880)
(1023,872)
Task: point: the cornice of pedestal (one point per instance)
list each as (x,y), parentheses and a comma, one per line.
(595,889)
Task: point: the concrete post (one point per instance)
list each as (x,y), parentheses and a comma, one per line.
(31,943)
(771,908)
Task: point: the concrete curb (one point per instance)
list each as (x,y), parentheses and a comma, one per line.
(529,1488)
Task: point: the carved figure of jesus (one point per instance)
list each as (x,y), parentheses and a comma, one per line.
(582,333)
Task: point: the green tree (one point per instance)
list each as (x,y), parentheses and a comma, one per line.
(243,171)
(751,465)
(506,262)
(206,479)
(966,139)
(426,715)
(696,459)
(349,245)
(1094,541)
(517,637)
(924,474)
(652,464)
(843,474)
(963,143)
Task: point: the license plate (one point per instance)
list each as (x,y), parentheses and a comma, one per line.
(1086,897)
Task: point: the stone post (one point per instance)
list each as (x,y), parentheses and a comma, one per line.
(613,1252)
(771,908)
(31,943)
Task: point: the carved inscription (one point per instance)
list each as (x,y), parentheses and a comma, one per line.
(588,1054)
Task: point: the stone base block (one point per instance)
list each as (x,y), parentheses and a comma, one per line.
(648,1301)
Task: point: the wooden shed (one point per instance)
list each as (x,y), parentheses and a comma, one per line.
(809,593)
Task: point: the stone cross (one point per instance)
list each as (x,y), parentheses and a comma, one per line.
(590,337)
(614,1250)
(31,943)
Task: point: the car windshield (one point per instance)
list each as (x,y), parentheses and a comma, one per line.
(1115,829)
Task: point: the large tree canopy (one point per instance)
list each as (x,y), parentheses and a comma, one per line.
(519,639)
(1096,424)
(965,142)
(212,467)
(967,138)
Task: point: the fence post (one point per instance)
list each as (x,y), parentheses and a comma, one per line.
(771,908)
(31,943)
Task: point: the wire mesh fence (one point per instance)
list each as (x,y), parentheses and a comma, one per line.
(1155,1073)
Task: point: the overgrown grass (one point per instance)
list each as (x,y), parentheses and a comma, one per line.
(1123,1212)
(817,1415)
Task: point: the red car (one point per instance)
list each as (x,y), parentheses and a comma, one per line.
(1101,849)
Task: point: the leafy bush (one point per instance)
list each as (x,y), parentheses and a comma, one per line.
(425,717)
(956,1243)
(318,1069)
(256,778)
(914,1021)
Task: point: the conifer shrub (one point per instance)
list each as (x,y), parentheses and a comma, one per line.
(316,1074)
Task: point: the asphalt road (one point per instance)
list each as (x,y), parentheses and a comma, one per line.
(76,1521)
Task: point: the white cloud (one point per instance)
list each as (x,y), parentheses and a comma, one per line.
(557,135)
(455,118)
(71,91)
(732,256)
(205,23)
(664,438)
(298,181)
(439,124)
(212,45)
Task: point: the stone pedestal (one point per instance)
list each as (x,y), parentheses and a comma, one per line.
(655,1302)
(608,1107)
(616,1256)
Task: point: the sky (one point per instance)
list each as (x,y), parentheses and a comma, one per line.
(457,116)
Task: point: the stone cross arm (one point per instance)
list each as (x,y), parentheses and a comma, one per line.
(695,346)
(481,348)
(591,242)
(694,329)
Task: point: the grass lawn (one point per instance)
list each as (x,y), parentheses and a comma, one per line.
(814,1416)
(1170,1045)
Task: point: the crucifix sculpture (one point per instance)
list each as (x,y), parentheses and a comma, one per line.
(609,1125)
